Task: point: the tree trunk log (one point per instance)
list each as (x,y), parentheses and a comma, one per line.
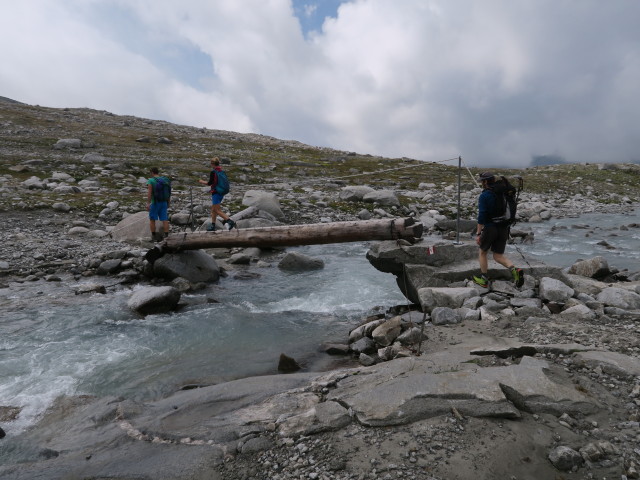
(290,235)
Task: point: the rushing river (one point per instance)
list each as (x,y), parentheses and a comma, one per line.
(58,343)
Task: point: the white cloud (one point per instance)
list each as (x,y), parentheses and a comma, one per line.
(495,81)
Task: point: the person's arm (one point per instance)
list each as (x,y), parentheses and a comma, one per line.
(149,194)
(482,214)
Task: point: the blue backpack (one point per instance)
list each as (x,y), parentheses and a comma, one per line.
(222,185)
(162,189)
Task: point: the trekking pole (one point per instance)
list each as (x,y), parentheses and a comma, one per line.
(192,216)
(458,212)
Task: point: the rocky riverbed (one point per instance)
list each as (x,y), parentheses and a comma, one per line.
(542,382)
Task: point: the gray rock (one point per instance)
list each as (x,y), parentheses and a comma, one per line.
(366,360)
(266,201)
(578,312)
(154,300)
(613,363)
(193,265)
(354,193)
(401,397)
(240,258)
(34,183)
(412,336)
(364,330)
(565,458)
(365,214)
(444,316)
(108,267)
(620,298)
(133,228)
(257,444)
(526,302)
(180,218)
(382,197)
(389,352)
(77,231)
(294,261)
(94,158)
(386,333)
(336,349)
(596,267)
(68,143)
(445,297)
(553,290)
(364,345)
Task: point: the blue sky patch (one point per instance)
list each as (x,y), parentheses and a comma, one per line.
(311,13)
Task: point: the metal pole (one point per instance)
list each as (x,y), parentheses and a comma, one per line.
(458,214)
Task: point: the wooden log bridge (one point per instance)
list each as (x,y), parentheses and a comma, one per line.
(290,235)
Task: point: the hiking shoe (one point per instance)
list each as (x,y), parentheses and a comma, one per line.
(481,280)
(518,276)
(231,223)
(156,237)
(211,227)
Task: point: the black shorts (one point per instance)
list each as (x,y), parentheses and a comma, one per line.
(495,238)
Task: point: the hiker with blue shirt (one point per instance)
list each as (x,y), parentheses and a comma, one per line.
(492,235)
(217,195)
(158,198)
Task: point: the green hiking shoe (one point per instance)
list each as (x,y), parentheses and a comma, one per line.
(481,280)
(518,276)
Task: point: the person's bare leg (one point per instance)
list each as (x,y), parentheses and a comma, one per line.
(502,260)
(484,261)
(217,209)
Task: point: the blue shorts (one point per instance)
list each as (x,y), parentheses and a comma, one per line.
(158,211)
(216,199)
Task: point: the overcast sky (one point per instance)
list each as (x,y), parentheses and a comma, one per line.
(495,81)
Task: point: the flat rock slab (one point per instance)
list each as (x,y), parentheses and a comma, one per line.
(493,392)
(219,413)
(610,362)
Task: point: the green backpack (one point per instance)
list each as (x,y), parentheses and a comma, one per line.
(162,189)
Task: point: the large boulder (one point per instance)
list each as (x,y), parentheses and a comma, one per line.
(444,297)
(354,193)
(193,265)
(596,267)
(133,228)
(553,290)
(382,197)
(620,298)
(154,300)
(266,201)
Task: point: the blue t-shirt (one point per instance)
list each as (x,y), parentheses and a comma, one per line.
(486,206)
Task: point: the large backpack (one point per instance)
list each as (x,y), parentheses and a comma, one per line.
(506,202)
(222,185)
(162,189)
